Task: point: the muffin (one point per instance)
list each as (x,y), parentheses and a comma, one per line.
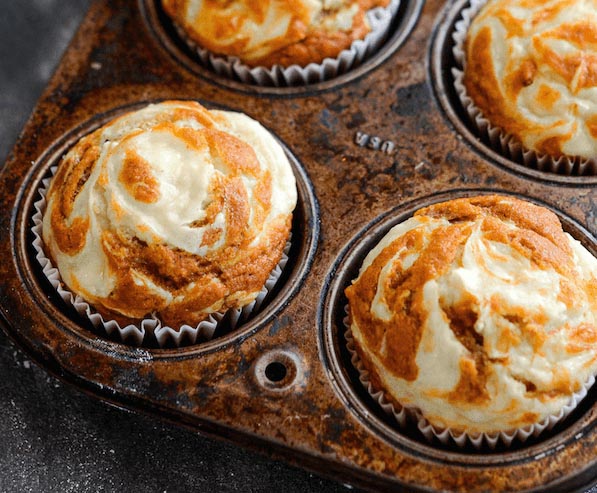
(530,70)
(279,33)
(173,210)
(478,315)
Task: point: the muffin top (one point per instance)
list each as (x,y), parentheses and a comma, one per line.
(273,32)
(531,68)
(171,209)
(479,312)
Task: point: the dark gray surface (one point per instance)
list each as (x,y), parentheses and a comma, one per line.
(52,437)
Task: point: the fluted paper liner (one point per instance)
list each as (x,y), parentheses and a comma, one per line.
(445,435)
(380,21)
(135,334)
(499,140)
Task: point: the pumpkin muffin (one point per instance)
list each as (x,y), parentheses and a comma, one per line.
(274,32)
(530,69)
(478,315)
(172,210)
(282,43)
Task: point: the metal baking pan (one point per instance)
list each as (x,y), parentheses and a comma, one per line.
(368,148)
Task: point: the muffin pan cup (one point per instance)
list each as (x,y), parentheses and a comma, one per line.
(369,150)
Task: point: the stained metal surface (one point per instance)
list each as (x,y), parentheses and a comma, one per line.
(369,150)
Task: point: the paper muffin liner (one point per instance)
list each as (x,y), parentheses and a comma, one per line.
(403,414)
(380,21)
(499,140)
(137,333)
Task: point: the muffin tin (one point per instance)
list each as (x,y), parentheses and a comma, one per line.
(368,148)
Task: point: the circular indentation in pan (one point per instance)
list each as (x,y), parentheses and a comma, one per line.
(305,232)
(278,370)
(442,61)
(165,33)
(346,378)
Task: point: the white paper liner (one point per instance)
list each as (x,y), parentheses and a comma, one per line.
(445,435)
(135,334)
(380,21)
(500,141)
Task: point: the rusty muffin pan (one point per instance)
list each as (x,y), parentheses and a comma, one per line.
(368,148)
